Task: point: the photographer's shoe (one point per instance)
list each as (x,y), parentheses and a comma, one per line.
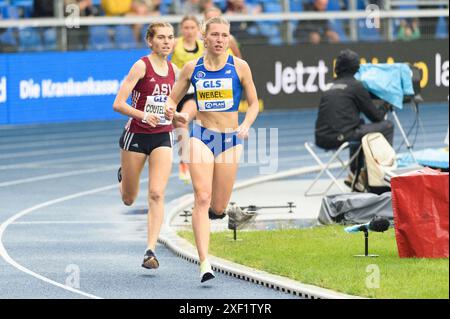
(238,218)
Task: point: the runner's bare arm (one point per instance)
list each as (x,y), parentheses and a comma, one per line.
(252,97)
(120,105)
(179,90)
(176,70)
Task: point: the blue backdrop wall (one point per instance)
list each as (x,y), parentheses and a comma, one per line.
(58,87)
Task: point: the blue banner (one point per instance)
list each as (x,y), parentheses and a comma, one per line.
(62,86)
(3,90)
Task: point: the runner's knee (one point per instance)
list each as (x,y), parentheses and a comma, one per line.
(128,199)
(203,198)
(218,208)
(155,196)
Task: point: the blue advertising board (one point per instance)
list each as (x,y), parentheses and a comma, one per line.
(62,86)
(3,91)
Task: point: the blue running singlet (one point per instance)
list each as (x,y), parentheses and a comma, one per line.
(217,91)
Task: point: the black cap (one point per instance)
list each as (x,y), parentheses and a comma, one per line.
(347,63)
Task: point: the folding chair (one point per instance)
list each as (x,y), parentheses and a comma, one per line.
(325,167)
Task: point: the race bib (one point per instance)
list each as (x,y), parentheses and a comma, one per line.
(155,105)
(214,94)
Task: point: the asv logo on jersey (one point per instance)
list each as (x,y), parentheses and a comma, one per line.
(3,90)
(163,89)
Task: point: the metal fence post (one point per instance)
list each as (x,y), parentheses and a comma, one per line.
(353,32)
(287,25)
(390,22)
(58,7)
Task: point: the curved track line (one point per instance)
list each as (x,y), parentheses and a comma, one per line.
(22,213)
(58,175)
(4,254)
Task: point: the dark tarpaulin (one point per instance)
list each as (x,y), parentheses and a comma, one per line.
(355,208)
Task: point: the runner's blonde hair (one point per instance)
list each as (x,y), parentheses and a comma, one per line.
(215,20)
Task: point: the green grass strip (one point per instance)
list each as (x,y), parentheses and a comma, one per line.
(323,256)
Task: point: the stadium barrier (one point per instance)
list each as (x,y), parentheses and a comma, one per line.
(79,86)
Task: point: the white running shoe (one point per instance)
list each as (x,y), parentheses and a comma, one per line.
(206,272)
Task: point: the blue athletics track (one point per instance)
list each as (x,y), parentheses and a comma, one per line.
(61,214)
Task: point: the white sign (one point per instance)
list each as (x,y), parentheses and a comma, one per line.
(3,90)
(303,79)
(47,88)
(441,71)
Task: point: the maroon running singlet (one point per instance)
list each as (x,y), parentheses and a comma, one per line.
(150,94)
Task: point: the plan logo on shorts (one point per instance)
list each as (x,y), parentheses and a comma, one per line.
(3,89)
(215,94)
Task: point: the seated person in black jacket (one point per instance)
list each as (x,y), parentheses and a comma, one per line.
(340,110)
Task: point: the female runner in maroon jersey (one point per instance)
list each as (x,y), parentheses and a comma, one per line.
(148,135)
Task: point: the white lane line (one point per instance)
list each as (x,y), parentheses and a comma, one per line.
(56,134)
(52,144)
(73,159)
(81,222)
(12,220)
(15,217)
(58,175)
(34,164)
(285,159)
(283,140)
(293,130)
(60,150)
(113,167)
(111,146)
(288,147)
(425,118)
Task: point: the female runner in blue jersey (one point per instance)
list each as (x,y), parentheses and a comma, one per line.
(215,143)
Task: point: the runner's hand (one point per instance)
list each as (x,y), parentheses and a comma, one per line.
(169,113)
(242,131)
(182,118)
(152,120)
